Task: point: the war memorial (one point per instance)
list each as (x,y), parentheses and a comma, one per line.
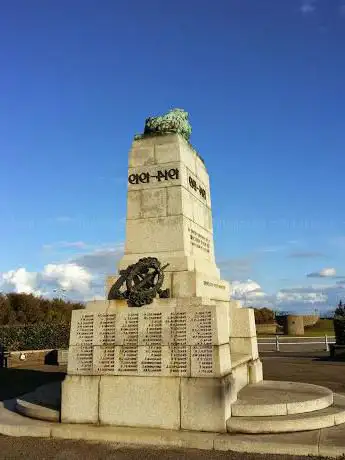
(169,349)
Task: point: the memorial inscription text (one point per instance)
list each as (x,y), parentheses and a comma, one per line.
(162,342)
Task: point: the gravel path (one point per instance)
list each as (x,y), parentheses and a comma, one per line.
(44,449)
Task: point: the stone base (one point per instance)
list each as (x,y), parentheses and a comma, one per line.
(79,399)
(196,404)
(329,442)
(175,364)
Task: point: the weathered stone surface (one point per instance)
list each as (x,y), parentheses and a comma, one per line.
(41,404)
(240,377)
(167,153)
(190,284)
(283,423)
(210,360)
(134,201)
(141,155)
(179,202)
(134,437)
(153,203)
(110,280)
(79,399)
(168,205)
(242,323)
(235,303)
(188,156)
(332,442)
(62,357)
(176,259)
(141,402)
(154,235)
(95,305)
(271,398)
(205,403)
(184,337)
(246,345)
(255,371)
(14,424)
(201,172)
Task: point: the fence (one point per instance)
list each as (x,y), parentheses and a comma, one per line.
(277,341)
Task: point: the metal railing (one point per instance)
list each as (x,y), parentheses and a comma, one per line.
(278,340)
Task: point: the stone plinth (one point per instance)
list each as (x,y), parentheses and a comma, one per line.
(294,325)
(169,206)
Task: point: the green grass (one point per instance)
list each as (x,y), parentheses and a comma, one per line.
(321,328)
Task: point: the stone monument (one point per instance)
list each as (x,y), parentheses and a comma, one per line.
(169,348)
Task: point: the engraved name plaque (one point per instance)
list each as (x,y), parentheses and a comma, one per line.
(166,341)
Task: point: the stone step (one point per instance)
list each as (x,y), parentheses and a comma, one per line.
(269,398)
(324,418)
(41,404)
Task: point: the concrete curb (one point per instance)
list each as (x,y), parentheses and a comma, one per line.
(328,442)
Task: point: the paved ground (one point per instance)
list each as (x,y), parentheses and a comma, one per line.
(21,379)
(305,367)
(44,449)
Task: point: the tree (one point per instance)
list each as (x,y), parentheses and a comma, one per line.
(29,309)
(264,316)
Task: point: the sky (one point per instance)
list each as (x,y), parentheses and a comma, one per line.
(263,82)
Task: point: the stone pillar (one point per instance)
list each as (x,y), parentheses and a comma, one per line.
(294,325)
(169,216)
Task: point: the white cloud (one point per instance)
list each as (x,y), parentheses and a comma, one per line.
(83,277)
(294,297)
(71,277)
(20,280)
(245,288)
(102,261)
(250,293)
(75,279)
(308,6)
(328,272)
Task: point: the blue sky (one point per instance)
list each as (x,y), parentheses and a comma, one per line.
(263,82)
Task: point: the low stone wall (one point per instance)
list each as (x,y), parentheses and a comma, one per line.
(39,357)
(310,320)
(266,328)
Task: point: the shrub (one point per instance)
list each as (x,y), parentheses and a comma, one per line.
(264,316)
(339,324)
(38,336)
(29,309)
